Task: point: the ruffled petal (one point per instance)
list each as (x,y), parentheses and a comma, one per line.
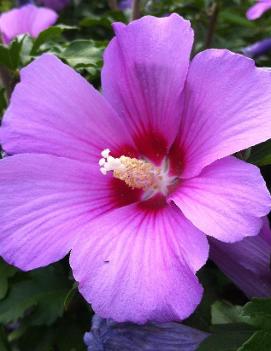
(134,265)
(226,201)
(28,19)
(257,10)
(144,71)
(45,201)
(227,108)
(109,335)
(56,111)
(246,263)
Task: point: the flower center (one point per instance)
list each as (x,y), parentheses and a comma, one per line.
(137,174)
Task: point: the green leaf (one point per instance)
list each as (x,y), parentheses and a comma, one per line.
(259,311)
(103,21)
(6,271)
(259,341)
(261,154)
(74,342)
(10,55)
(229,336)
(96,21)
(65,336)
(224,312)
(42,295)
(226,338)
(50,34)
(5,5)
(201,318)
(37,339)
(53,289)
(20,298)
(26,56)
(3,105)
(3,341)
(70,296)
(83,53)
(235,19)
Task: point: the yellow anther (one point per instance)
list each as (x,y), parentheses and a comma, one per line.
(135,173)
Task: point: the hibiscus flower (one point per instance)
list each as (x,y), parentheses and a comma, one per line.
(132,180)
(257,10)
(28,19)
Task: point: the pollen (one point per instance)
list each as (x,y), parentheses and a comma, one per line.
(137,174)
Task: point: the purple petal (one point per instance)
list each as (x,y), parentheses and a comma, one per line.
(246,263)
(125,4)
(258,49)
(266,232)
(111,336)
(24,2)
(257,10)
(144,71)
(56,111)
(56,5)
(28,19)
(45,201)
(227,108)
(133,264)
(226,201)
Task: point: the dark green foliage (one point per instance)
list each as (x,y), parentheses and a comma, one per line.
(261,154)
(5,273)
(237,328)
(227,337)
(41,310)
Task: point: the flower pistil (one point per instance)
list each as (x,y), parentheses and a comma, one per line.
(137,173)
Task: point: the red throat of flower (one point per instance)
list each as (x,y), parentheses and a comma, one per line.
(138,173)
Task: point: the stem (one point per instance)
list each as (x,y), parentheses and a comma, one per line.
(214,10)
(5,80)
(8,80)
(4,76)
(113,5)
(136,9)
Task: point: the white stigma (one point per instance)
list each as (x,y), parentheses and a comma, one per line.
(109,163)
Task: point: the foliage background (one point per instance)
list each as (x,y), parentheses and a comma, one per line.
(42,310)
